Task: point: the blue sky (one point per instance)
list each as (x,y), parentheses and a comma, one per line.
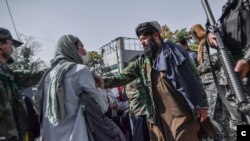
(97,22)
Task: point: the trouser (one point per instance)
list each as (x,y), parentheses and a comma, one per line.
(136,126)
(174,118)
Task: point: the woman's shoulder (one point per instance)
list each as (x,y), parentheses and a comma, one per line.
(78,70)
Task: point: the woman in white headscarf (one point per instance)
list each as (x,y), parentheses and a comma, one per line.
(60,89)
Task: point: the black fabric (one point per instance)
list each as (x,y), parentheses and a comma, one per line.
(145,29)
(5,34)
(141,131)
(33,118)
(236,27)
(100,127)
(206,129)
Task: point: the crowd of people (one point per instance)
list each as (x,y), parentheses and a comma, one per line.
(169,93)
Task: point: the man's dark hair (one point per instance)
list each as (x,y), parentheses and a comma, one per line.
(148,29)
(182,41)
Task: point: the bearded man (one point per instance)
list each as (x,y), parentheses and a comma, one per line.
(174,90)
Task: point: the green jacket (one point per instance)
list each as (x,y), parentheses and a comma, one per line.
(13,114)
(140,68)
(139,100)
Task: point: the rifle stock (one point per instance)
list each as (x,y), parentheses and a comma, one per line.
(227,62)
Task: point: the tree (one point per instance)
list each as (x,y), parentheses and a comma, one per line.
(166,33)
(169,35)
(182,33)
(25,55)
(95,61)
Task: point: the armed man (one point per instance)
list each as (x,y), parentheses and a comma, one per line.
(232,39)
(13,114)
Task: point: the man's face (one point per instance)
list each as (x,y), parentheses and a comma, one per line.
(149,45)
(6,49)
(145,40)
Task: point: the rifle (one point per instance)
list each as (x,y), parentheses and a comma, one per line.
(227,62)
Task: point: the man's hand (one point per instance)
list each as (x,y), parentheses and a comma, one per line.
(202,113)
(212,40)
(242,67)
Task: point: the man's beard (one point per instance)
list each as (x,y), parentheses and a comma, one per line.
(151,48)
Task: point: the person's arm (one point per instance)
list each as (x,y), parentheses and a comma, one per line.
(130,73)
(242,66)
(26,78)
(202,113)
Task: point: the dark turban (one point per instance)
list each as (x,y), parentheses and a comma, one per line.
(147,28)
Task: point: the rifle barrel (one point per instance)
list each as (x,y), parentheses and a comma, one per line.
(208,12)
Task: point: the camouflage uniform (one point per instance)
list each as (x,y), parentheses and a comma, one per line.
(235,28)
(218,114)
(237,39)
(13,114)
(139,101)
(224,123)
(207,78)
(226,119)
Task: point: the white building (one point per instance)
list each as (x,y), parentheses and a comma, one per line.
(117,53)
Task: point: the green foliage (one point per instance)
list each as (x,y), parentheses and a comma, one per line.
(181,34)
(25,55)
(169,35)
(166,33)
(95,61)
(193,47)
